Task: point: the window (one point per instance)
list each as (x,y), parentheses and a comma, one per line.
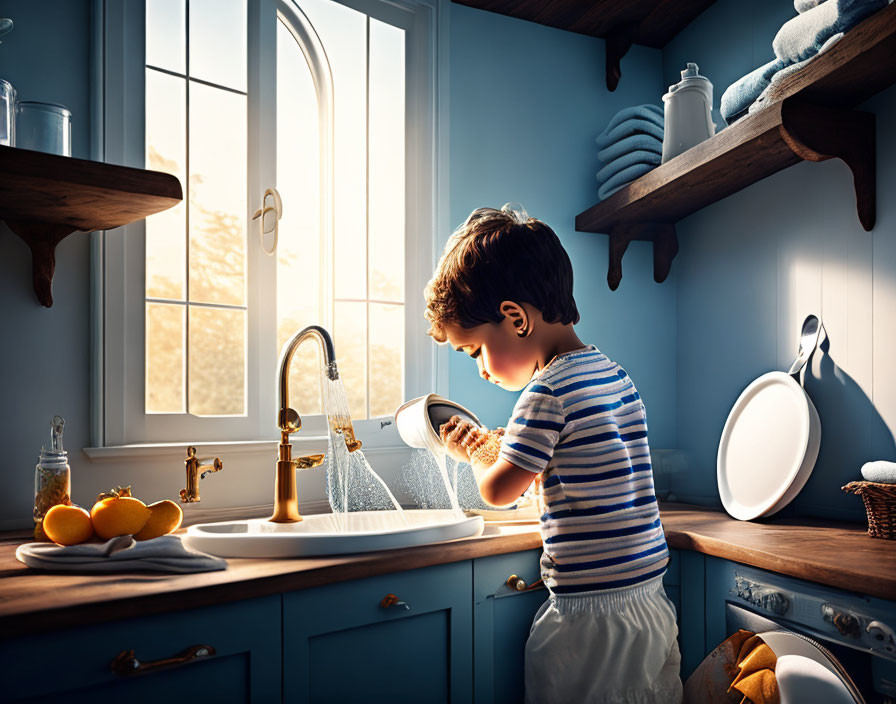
(359,291)
(196,278)
(314,97)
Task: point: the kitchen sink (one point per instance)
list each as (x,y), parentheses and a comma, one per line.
(332,534)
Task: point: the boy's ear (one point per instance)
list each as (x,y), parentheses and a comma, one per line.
(518,317)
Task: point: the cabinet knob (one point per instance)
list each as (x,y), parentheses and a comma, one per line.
(519,584)
(391,600)
(882,632)
(126,662)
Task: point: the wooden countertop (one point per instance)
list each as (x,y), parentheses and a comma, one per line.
(840,555)
(836,554)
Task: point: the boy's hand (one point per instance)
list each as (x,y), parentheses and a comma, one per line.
(459,437)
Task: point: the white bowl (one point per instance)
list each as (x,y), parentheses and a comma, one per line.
(418,420)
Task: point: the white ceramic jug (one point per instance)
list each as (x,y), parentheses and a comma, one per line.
(418,421)
(688,107)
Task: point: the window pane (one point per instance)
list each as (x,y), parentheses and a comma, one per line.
(387,170)
(386,358)
(343,32)
(166,150)
(164,358)
(350,339)
(166,41)
(217,195)
(218,42)
(300,258)
(217,361)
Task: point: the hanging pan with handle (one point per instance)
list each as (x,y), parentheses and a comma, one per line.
(770,441)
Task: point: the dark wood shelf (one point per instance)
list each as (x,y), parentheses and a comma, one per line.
(45,197)
(809,118)
(620,22)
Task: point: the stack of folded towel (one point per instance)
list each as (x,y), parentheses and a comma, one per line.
(630,146)
(817,27)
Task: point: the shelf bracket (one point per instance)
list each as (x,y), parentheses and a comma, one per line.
(665,247)
(42,238)
(818,133)
(616,45)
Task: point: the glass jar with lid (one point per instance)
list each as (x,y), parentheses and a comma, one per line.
(52,477)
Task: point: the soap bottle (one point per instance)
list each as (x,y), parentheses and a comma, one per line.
(688,113)
(52,477)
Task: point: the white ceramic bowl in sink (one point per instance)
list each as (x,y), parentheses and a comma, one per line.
(362,531)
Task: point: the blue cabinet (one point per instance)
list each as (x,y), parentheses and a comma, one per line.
(501,621)
(344,643)
(75,665)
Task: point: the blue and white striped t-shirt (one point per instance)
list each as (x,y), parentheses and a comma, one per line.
(583,424)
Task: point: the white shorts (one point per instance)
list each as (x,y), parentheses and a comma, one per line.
(613,646)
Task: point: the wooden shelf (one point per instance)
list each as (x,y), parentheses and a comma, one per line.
(808,119)
(620,22)
(45,197)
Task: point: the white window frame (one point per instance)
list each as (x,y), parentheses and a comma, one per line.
(118,418)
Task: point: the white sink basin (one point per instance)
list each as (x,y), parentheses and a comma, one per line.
(363,531)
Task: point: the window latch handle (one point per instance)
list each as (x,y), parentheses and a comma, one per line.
(269,223)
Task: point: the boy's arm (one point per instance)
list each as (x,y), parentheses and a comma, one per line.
(501,483)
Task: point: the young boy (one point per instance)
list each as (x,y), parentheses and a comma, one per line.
(502,293)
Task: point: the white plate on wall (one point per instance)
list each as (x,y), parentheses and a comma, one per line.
(768,448)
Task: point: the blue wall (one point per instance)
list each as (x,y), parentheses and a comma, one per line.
(527,102)
(754,265)
(44,356)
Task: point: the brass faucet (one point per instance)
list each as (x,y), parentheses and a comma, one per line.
(194,466)
(286,501)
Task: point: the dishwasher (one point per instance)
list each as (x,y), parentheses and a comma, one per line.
(852,633)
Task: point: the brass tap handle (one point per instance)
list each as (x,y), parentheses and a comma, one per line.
(197,469)
(126,663)
(519,584)
(309,461)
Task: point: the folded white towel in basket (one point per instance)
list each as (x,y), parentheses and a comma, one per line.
(121,554)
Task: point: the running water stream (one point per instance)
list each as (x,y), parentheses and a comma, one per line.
(352,484)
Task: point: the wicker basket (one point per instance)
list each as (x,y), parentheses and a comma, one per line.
(880,504)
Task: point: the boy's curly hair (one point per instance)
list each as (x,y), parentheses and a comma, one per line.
(499,255)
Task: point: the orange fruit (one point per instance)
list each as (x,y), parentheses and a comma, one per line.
(119,515)
(165,517)
(68,525)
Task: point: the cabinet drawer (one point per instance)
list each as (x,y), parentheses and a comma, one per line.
(76,663)
(418,650)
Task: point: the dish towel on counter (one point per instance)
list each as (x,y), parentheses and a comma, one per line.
(802,37)
(121,554)
(630,146)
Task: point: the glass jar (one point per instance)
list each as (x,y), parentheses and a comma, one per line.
(44,127)
(7,114)
(52,478)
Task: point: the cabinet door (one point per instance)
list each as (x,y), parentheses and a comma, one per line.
(501,621)
(341,643)
(74,665)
